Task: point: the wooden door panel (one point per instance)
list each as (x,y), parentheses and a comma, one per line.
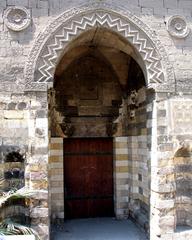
(88,173)
(87,145)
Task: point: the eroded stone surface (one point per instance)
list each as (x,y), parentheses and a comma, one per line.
(153,141)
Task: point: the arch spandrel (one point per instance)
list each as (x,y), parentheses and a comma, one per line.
(48,48)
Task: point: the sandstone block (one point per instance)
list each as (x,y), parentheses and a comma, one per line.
(167,224)
(13,114)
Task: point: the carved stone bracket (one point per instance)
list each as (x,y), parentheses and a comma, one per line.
(67,127)
(111,128)
(177,27)
(17,18)
(133,103)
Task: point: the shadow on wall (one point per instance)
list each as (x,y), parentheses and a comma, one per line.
(183,178)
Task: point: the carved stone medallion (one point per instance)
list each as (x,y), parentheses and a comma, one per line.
(17,18)
(177,27)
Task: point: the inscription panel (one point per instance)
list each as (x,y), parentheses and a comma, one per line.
(180,112)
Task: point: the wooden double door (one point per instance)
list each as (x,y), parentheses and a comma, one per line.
(88,177)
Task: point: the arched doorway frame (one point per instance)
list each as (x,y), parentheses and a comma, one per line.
(51,43)
(49,46)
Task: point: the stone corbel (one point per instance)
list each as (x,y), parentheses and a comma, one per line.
(67,128)
(111,128)
(132,103)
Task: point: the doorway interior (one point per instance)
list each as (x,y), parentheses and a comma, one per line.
(99,95)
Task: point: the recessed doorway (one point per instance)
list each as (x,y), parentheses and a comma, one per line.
(88,177)
(99,94)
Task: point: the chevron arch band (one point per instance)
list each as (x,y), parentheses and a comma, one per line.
(48,48)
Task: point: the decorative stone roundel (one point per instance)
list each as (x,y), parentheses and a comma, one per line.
(17,18)
(177,27)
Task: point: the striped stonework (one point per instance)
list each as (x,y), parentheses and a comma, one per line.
(121,177)
(130,175)
(139,149)
(56,178)
(138,171)
(140,154)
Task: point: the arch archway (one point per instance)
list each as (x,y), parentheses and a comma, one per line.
(91,95)
(51,44)
(54,43)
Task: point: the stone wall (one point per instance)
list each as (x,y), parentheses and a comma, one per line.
(182,163)
(24,130)
(15,46)
(24,115)
(139,148)
(167,170)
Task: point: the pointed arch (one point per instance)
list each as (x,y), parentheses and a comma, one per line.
(48,48)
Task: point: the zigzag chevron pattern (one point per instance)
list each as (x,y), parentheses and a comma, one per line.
(128,30)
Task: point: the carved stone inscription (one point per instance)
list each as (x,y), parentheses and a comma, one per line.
(181,116)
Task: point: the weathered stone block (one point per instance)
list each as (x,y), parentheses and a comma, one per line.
(41,113)
(39,213)
(13,114)
(167,224)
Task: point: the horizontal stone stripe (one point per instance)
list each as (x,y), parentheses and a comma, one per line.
(56,146)
(120,139)
(122,199)
(121,163)
(121,175)
(58,204)
(121,205)
(57,140)
(121,151)
(122,187)
(120,157)
(120,145)
(122,169)
(56,178)
(55,183)
(56,171)
(56,152)
(58,196)
(55,159)
(56,165)
(57,190)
